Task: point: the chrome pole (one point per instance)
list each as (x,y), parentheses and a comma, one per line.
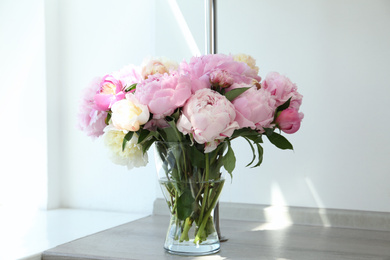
(210,26)
(211,48)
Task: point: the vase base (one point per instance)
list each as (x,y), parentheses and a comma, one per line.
(193,250)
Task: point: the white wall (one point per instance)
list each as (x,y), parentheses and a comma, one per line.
(338,54)
(336,51)
(22,104)
(54,101)
(93,38)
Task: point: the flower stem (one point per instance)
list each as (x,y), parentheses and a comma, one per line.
(187,226)
(175,203)
(206,189)
(203,222)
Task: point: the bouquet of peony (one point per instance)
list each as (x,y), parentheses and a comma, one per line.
(191,111)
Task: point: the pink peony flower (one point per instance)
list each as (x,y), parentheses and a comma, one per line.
(289,120)
(128,114)
(282,89)
(164,93)
(128,75)
(110,91)
(200,69)
(221,78)
(195,71)
(209,117)
(255,108)
(90,120)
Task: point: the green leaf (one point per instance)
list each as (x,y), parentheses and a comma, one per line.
(131,87)
(253,151)
(284,106)
(147,144)
(258,139)
(185,204)
(260,154)
(245,132)
(175,176)
(279,141)
(255,138)
(127,138)
(107,120)
(215,169)
(229,160)
(176,115)
(197,157)
(174,134)
(232,94)
(143,134)
(171,133)
(216,160)
(269,131)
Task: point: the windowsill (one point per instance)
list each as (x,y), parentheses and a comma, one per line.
(26,235)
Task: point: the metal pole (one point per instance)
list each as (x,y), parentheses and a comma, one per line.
(211,48)
(211,26)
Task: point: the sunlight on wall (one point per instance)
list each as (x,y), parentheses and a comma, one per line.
(277,215)
(185,30)
(320,204)
(277,197)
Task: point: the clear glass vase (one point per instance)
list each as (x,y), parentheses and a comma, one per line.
(191,182)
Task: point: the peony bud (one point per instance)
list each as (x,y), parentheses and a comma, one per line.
(289,120)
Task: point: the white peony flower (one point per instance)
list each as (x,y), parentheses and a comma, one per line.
(128,114)
(159,65)
(249,60)
(132,156)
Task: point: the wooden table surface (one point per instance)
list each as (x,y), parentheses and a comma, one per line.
(144,238)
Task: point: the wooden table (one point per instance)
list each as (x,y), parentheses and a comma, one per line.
(144,238)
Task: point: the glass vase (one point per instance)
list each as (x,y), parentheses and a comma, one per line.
(191,182)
